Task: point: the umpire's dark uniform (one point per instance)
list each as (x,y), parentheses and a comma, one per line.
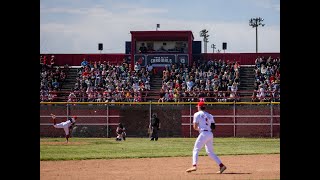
(155,125)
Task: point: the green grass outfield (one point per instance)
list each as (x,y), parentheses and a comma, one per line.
(52,149)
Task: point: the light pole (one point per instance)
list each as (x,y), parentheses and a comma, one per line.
(255,22)
(205,35)
(213,46)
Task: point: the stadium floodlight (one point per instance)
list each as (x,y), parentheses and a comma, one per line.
(255,22)
(213,46)
(205,35)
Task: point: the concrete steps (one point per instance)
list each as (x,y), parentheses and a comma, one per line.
(68,84)
(246,83)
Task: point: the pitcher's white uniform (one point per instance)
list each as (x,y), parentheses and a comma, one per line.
(65,125)
(204,119)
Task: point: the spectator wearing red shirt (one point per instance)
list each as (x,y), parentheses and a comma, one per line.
(44,60)
(272,78)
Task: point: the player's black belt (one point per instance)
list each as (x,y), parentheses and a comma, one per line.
(205,130)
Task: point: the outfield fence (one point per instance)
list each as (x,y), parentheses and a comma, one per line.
(100,119)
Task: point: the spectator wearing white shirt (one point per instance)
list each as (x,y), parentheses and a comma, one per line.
(147,85)
(137,67)
(135,87)
(72,97)
(149,68)
(189,85)
(261,93)
(263,69)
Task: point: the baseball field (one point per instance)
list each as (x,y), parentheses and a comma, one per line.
(167,158)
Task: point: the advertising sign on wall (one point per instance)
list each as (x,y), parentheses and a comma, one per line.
(141,59)
(161,60)
(182,59)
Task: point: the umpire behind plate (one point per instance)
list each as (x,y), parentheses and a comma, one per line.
(155,126)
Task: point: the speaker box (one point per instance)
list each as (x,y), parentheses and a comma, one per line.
(224,46)
(100,46)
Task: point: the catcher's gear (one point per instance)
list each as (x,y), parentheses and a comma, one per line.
(119,131)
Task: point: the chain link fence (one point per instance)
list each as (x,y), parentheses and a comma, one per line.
(233,119)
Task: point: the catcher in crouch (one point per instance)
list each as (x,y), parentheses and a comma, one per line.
(66,125)
(121,132)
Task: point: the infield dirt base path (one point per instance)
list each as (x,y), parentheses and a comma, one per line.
(238,167)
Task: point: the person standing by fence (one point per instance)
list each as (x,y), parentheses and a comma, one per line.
(155,127)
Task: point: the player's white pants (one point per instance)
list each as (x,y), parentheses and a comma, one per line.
(204,138)
(63,125)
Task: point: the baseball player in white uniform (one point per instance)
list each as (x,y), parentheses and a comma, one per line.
(204,123)
(67,125)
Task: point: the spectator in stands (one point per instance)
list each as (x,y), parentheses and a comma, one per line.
(162,49)
(143,48)
(45,63)
(91,97)
(275,88)
(137,67)
(84,63)
(72,97)
(236,66)
(150,69)
(162,95)
(261,93)
(263,69)
(55,85)
(254,97)
(176,95)
(147,86)
(52,61)
(234,93)
(190,84)
(99,97)
(41,59)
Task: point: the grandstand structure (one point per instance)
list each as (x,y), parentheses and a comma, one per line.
(160,66)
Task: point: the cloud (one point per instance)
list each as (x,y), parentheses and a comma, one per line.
(112,28)
(145,11)
(267,4)
(277,7)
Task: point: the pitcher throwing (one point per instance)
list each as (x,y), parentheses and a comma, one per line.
(204,123)
(67,125)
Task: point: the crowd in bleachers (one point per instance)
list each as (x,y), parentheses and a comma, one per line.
(267,80)
(211,81)
(105,82)
(51,79)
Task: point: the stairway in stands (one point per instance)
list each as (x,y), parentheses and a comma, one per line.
(246,83)
(155,86)
(68,84)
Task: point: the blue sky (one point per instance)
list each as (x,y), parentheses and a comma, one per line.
(77,26)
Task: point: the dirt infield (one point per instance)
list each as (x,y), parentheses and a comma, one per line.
(238,167)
